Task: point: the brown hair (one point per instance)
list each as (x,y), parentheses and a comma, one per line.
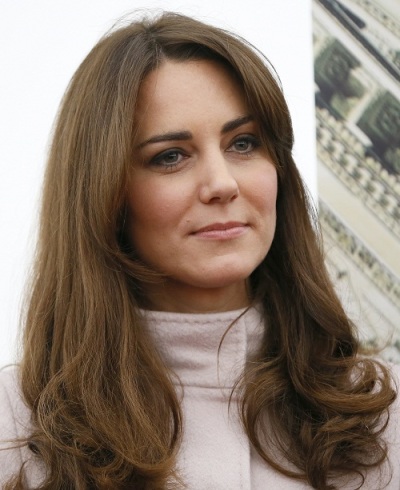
(90,373)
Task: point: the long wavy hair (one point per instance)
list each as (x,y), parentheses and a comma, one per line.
(104,408)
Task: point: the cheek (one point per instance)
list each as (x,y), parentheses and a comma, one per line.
(153,205)
(264,190)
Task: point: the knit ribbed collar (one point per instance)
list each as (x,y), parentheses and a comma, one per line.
(189,344)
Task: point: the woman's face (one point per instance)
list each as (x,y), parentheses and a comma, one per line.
(202,191)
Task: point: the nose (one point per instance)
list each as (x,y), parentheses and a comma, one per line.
(218,182)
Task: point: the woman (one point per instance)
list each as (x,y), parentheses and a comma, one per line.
(182,330)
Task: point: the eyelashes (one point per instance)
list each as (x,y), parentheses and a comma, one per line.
(242,145)
(169,158)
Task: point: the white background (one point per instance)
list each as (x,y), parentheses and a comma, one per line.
(42,42)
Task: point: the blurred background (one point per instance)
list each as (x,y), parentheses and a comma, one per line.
(357,95)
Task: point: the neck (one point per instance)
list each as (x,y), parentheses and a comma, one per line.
(181,298)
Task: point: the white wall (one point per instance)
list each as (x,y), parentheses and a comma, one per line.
(43,41)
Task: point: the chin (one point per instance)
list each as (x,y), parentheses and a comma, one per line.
(223,278)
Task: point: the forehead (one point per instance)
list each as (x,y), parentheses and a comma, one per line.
(187,88)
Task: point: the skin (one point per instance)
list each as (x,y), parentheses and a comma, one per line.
(202,192)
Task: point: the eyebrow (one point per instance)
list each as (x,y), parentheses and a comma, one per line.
(187,135)
(171,136)
(236,123)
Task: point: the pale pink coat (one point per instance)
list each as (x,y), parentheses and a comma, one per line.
(215,453)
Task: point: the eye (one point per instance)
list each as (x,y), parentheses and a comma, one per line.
(244,144)
(168,159)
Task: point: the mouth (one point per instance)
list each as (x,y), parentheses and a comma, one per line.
(219,231)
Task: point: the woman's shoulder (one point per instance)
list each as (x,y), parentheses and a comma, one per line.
(391,434)
(15,428)
(14,424)
(15,415)
(394,370)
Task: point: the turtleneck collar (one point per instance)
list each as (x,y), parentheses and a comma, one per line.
(189,344)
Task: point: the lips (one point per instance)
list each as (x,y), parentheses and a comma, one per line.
(220,226)
(231,229)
